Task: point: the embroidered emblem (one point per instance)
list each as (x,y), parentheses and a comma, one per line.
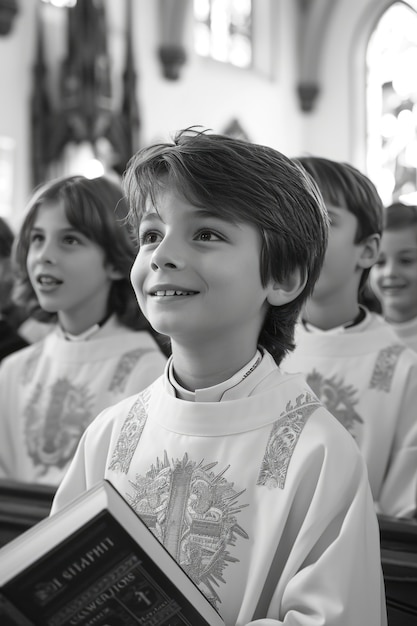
(52,437)
(30,364)
(338,398)
(193,512)
(283,439)
(124,368)
(385,367)
(130,434)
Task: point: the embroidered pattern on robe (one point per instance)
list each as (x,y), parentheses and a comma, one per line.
(124,368)
(191,509)
(385,367)
(53,435)
(340,399)
(283,439)
(130,434)
(193,512)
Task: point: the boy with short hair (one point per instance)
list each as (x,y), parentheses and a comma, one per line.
(351,357)
(255,489)
(393,278)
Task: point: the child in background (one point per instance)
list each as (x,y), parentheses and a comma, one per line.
(10,315)
(249,482)
(393,278)
(350,356)
(73,257)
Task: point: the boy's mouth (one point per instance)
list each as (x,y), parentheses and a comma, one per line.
(393,287)
(172,292)
(47,280)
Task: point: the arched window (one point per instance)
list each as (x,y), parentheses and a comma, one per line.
(391,104)
(223,30)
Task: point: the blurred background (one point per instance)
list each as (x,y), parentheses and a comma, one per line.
(85,84)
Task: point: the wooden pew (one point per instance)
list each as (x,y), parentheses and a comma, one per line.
(21,506)
(399,566)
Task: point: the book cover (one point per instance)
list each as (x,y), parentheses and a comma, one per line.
(95,563)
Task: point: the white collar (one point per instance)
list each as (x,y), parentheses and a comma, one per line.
(87,334)
(241,384)
(82,336)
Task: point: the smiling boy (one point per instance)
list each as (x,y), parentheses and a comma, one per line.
(255,489)
(393,278)
(203,269)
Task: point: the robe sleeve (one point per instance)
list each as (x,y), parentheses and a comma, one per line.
(332,574)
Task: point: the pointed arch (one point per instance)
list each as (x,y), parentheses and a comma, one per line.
(367,22)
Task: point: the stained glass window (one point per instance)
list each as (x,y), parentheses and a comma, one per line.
(223,30)
(392,105)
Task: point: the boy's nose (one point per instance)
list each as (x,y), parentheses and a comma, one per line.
(390,268)
(167,255)
(156,265)
(47,253)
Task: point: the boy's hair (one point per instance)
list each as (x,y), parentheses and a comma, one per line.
(6,239)
(398,216)
(98,209)
(242,182)
(343,185)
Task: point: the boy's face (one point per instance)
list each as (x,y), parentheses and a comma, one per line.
(394,277)
(197,277)
(341,271)
(67,270)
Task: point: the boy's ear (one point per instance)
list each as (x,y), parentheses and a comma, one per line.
(280,293)
(369,250)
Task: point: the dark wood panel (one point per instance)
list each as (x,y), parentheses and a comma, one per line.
(21,506)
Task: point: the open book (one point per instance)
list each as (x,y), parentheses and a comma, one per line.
(95,563)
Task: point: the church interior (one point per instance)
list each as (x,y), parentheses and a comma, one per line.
(305,77)
(87,83)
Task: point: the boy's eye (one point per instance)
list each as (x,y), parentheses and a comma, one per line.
(207,235)
(148,237)
(34,237)
(71,240)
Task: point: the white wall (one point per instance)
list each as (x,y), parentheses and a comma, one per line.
(211,93)
(208,93)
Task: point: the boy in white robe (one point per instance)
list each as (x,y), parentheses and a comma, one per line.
(250,483)
(72,258)
(351,357)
